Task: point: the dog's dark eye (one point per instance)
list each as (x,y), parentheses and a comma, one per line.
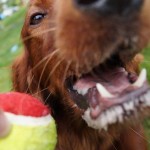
(36,18)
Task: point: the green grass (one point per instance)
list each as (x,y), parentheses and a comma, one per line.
(146,64)
(10,36)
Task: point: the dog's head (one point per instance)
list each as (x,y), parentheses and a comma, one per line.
(83,55)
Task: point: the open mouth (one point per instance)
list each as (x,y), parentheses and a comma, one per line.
(109,94)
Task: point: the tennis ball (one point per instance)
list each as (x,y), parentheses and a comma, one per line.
(33,127)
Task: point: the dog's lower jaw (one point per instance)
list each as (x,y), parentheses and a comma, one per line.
(75,133)
(90,139)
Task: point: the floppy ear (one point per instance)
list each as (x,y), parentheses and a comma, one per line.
(20,70)
(22,76)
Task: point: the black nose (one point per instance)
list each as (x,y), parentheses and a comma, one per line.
(122,7)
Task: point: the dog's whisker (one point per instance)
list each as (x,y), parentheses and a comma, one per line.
(30,79)
(45,65)
(40,91)
(46,57)
(53,70)
(79,81)
(65,72)
(113,144)
(141,136)
(38,34)
(29,84)
(45,101)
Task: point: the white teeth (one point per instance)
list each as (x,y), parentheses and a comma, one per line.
(111,116)
(119,111)
(103,92)
(116,114)
(147,103)
(103,122)
(137,101)
(141,78)
(84,91)
(147,99)
(129,106)
(81,91)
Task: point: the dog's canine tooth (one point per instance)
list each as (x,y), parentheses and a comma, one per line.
(103,91)
(141,79)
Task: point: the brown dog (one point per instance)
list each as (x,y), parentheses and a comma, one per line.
(81,58)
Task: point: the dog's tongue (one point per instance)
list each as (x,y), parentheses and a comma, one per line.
(114,81)
(105,89)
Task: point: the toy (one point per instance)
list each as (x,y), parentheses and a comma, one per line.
(33,128)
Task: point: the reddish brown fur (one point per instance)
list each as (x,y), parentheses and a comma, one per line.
(43,67)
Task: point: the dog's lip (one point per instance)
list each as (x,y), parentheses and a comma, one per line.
(112,87)
(105,103)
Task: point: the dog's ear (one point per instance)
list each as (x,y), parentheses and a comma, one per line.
(20,70)
(22,76)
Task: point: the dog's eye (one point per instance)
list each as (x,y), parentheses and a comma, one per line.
(36,18)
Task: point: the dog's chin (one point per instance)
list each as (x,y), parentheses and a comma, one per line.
(109,95)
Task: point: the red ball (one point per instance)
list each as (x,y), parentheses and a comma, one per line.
(22,104)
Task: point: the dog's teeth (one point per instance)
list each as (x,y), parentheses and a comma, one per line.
(111,116)
(119,111)
(129,106)
(147,103)
(147,99)
(103,92)
(141,79)
(82,91)
(102,121)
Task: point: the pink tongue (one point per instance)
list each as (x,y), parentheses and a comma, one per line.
(114,81)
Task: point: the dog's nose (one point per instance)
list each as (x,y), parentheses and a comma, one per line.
(122,7)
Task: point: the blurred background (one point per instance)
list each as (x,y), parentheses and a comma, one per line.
(11,19)
(12,14)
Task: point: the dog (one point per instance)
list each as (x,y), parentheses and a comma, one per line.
(81,58)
